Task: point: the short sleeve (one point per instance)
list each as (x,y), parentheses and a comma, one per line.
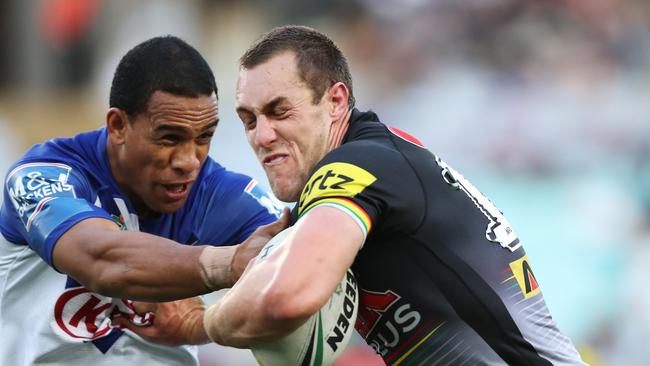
(371,182)
(46,199)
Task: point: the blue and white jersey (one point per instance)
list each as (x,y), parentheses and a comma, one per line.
(47,317)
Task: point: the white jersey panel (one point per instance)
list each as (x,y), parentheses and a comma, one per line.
(43,323)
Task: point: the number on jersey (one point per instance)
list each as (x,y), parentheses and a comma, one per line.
(498,229)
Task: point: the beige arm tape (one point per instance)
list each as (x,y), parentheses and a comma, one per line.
(208,316)
(215,265)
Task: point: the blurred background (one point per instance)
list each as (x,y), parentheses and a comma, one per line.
(544,105)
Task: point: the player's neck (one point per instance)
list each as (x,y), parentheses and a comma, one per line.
(339,129)
(113,163)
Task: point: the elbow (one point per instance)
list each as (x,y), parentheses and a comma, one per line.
(104,280)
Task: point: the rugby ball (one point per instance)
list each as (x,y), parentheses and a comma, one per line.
(322,339)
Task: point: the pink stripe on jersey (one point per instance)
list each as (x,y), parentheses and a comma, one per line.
(38,210)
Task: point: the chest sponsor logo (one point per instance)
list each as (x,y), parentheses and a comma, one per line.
(385,319)
(31,185)
(525,277)
(335,180)
(81,315)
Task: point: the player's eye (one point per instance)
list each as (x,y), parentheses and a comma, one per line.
(170,139)
(248,120)
(206,137)
(280,113)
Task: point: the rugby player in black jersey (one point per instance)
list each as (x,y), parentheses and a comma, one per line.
(443,277)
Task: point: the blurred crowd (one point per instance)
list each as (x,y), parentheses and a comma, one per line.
(544,105)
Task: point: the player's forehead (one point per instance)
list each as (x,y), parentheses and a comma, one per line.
(277,78)
(166,110)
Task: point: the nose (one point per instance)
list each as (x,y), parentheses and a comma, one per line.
(187,159)
(264,131)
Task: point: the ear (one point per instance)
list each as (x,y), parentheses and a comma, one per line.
(116,124)
(338,95)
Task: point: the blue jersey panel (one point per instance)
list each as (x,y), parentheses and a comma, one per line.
(231,207)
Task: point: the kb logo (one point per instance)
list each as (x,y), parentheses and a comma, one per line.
(84,316)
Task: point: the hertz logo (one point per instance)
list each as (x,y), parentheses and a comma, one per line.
(525,277)
(334,180)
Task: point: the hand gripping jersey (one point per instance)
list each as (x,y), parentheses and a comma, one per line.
(49,318)
(443,278)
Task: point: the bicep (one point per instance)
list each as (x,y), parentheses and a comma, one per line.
(324,244)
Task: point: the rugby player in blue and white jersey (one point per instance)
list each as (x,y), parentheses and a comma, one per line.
(92,222)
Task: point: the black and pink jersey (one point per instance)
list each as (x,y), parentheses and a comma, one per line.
(443,277)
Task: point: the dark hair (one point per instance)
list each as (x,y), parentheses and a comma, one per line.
(321,63)
(166,64)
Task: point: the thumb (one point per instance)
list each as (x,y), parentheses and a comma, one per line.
(280,224)
(141,307)
(122,321)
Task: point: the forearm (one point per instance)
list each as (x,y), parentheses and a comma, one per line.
(133,265)
(238,321)
(269,302)
(144,267)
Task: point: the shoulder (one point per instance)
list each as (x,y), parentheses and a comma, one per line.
(75,147)
(362,151)
(353,169)
(81,152)
(372,167)
(362,160)
(55,167)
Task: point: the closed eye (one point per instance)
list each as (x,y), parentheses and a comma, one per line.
(248,119)
(170,138)
(206,137)
(282,114)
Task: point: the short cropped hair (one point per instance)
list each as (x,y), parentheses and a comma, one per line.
(165,64)
(321,63)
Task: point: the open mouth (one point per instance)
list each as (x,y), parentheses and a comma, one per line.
(176,191)
(176,188)
(273,159)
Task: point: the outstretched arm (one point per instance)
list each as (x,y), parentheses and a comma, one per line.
(146,267)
